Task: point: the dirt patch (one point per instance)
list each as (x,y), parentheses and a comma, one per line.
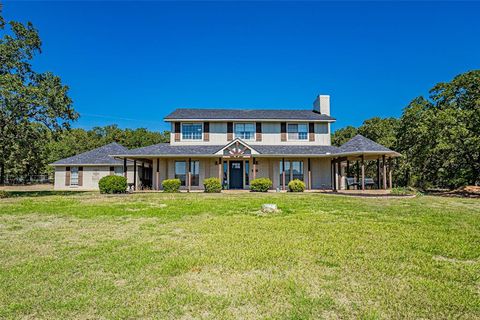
(463,192)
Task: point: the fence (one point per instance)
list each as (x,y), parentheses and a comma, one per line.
(34,179)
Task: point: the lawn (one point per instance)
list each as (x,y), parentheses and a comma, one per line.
(216,256)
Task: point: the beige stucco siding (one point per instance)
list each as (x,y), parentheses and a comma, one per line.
(271,135)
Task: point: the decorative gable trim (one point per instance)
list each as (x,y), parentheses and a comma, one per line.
(237,148)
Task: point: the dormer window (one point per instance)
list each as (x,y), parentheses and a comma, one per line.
(245,131)
(192,131)
(297,131)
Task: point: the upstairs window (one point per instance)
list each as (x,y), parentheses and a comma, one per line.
(192,131)
(245,131)
(297,131)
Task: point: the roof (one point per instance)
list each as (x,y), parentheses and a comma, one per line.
(359,144)
(166,149)
(98,156)
(254,114)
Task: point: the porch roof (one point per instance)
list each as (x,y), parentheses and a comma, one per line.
(98,156)
(360,145)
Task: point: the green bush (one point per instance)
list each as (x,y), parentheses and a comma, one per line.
(260,185)
(113,184)
(404,191)
(171,185)
(212,185)
(296,185)
(4,194)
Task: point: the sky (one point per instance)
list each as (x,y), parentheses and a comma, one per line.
(132,63)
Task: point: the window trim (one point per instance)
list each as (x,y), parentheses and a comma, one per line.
(297,123)
(191,122)
(245,122)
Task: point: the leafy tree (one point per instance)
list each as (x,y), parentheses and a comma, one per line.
(341,136)
(30,103)
(440,135)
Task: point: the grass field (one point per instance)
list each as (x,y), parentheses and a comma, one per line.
(215,256)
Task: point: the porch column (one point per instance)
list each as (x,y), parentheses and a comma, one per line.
(390,173)
(220,170)
(157,175)
(335,176)
(384,172)
(378,174)
(283,174)
(339,175)
(358,174)
(309,175)
(189,175)
(134,175)
(363,172)
(125,168)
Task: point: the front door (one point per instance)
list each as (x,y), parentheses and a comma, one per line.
(236,175)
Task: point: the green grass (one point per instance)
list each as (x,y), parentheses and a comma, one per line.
(215,256)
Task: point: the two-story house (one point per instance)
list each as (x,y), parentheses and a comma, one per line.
(240,145)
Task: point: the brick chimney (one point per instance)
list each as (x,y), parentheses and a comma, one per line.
(322,104)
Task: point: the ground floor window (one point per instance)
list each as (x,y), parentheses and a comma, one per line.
(293,170)
(225,173)
(247,172)
(118,171)
(181,172)
(74,176)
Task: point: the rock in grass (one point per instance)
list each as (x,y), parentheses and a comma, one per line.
(269,208)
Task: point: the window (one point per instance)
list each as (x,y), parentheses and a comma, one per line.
(74,176)
(181,171)
(245,131)
(119,171)
(225,173)
(297,131)
(195,172)
(247,172)
(293,170)
(192,131)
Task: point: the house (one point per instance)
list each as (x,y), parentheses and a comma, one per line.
(84,170)
(240,145)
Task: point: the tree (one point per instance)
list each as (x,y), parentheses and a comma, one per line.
(30,103)
(440,135)
(341,136)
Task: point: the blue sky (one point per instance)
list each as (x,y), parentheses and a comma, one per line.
(132,63)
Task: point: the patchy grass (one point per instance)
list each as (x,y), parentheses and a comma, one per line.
(197,255)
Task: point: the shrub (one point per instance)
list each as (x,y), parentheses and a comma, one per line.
(171,185)
(404,191)
(212,185)
(260,185)
(4,194)
(296,185)
(113,184)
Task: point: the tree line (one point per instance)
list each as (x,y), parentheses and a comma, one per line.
(438,135)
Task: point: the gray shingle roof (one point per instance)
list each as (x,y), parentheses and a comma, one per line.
(361,144)
(293,150)
(167,149)
(95,156)
(254,114)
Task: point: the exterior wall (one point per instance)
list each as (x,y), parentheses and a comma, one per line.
(91,176)
(266,168)
(271,135)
